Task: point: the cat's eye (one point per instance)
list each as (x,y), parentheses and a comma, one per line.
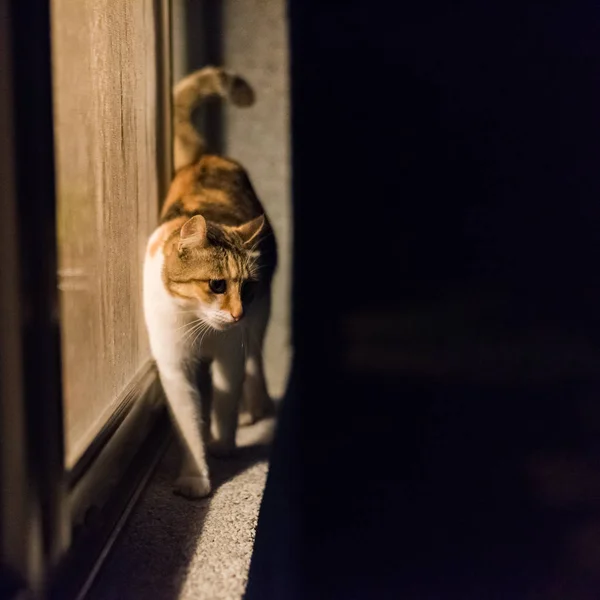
(217,286)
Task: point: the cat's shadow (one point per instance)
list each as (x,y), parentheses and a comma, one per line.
(254,444)
(152,557)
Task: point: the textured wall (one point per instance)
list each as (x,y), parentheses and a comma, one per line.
(105,116)
(253,43)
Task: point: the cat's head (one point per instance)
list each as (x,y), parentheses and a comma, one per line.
(215,270)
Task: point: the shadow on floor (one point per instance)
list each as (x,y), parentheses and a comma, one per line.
(176,548)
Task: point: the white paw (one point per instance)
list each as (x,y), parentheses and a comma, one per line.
(221,449)
(192,486)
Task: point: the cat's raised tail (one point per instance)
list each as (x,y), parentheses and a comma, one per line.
(188,94)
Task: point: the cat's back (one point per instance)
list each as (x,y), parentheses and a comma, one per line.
(216,187)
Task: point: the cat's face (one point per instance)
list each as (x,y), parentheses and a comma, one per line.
(214,270)
(220,302)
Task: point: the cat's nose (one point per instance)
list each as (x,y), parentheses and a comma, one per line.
(237,315)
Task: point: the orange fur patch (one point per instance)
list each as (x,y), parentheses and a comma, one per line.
(186,184)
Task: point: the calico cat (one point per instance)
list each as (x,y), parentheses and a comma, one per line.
(207,287)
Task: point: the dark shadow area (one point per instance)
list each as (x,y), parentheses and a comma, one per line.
(440,438)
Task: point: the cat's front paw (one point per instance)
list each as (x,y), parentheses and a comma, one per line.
(192,486)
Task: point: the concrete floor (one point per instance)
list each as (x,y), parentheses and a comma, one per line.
(173,548)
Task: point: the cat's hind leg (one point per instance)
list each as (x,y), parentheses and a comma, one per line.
(257,403)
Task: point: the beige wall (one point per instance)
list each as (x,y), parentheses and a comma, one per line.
(105,116)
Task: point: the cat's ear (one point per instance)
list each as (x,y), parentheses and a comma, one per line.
(250,231)
(193,233)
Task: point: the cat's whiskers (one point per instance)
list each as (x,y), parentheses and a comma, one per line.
(189,323)
(202,332)
(190,332)
(221,320)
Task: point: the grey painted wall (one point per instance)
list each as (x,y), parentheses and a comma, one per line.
(254,44)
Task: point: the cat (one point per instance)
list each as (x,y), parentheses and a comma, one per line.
(207,287)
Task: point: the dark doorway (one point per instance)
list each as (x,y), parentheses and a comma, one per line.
(440,438)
